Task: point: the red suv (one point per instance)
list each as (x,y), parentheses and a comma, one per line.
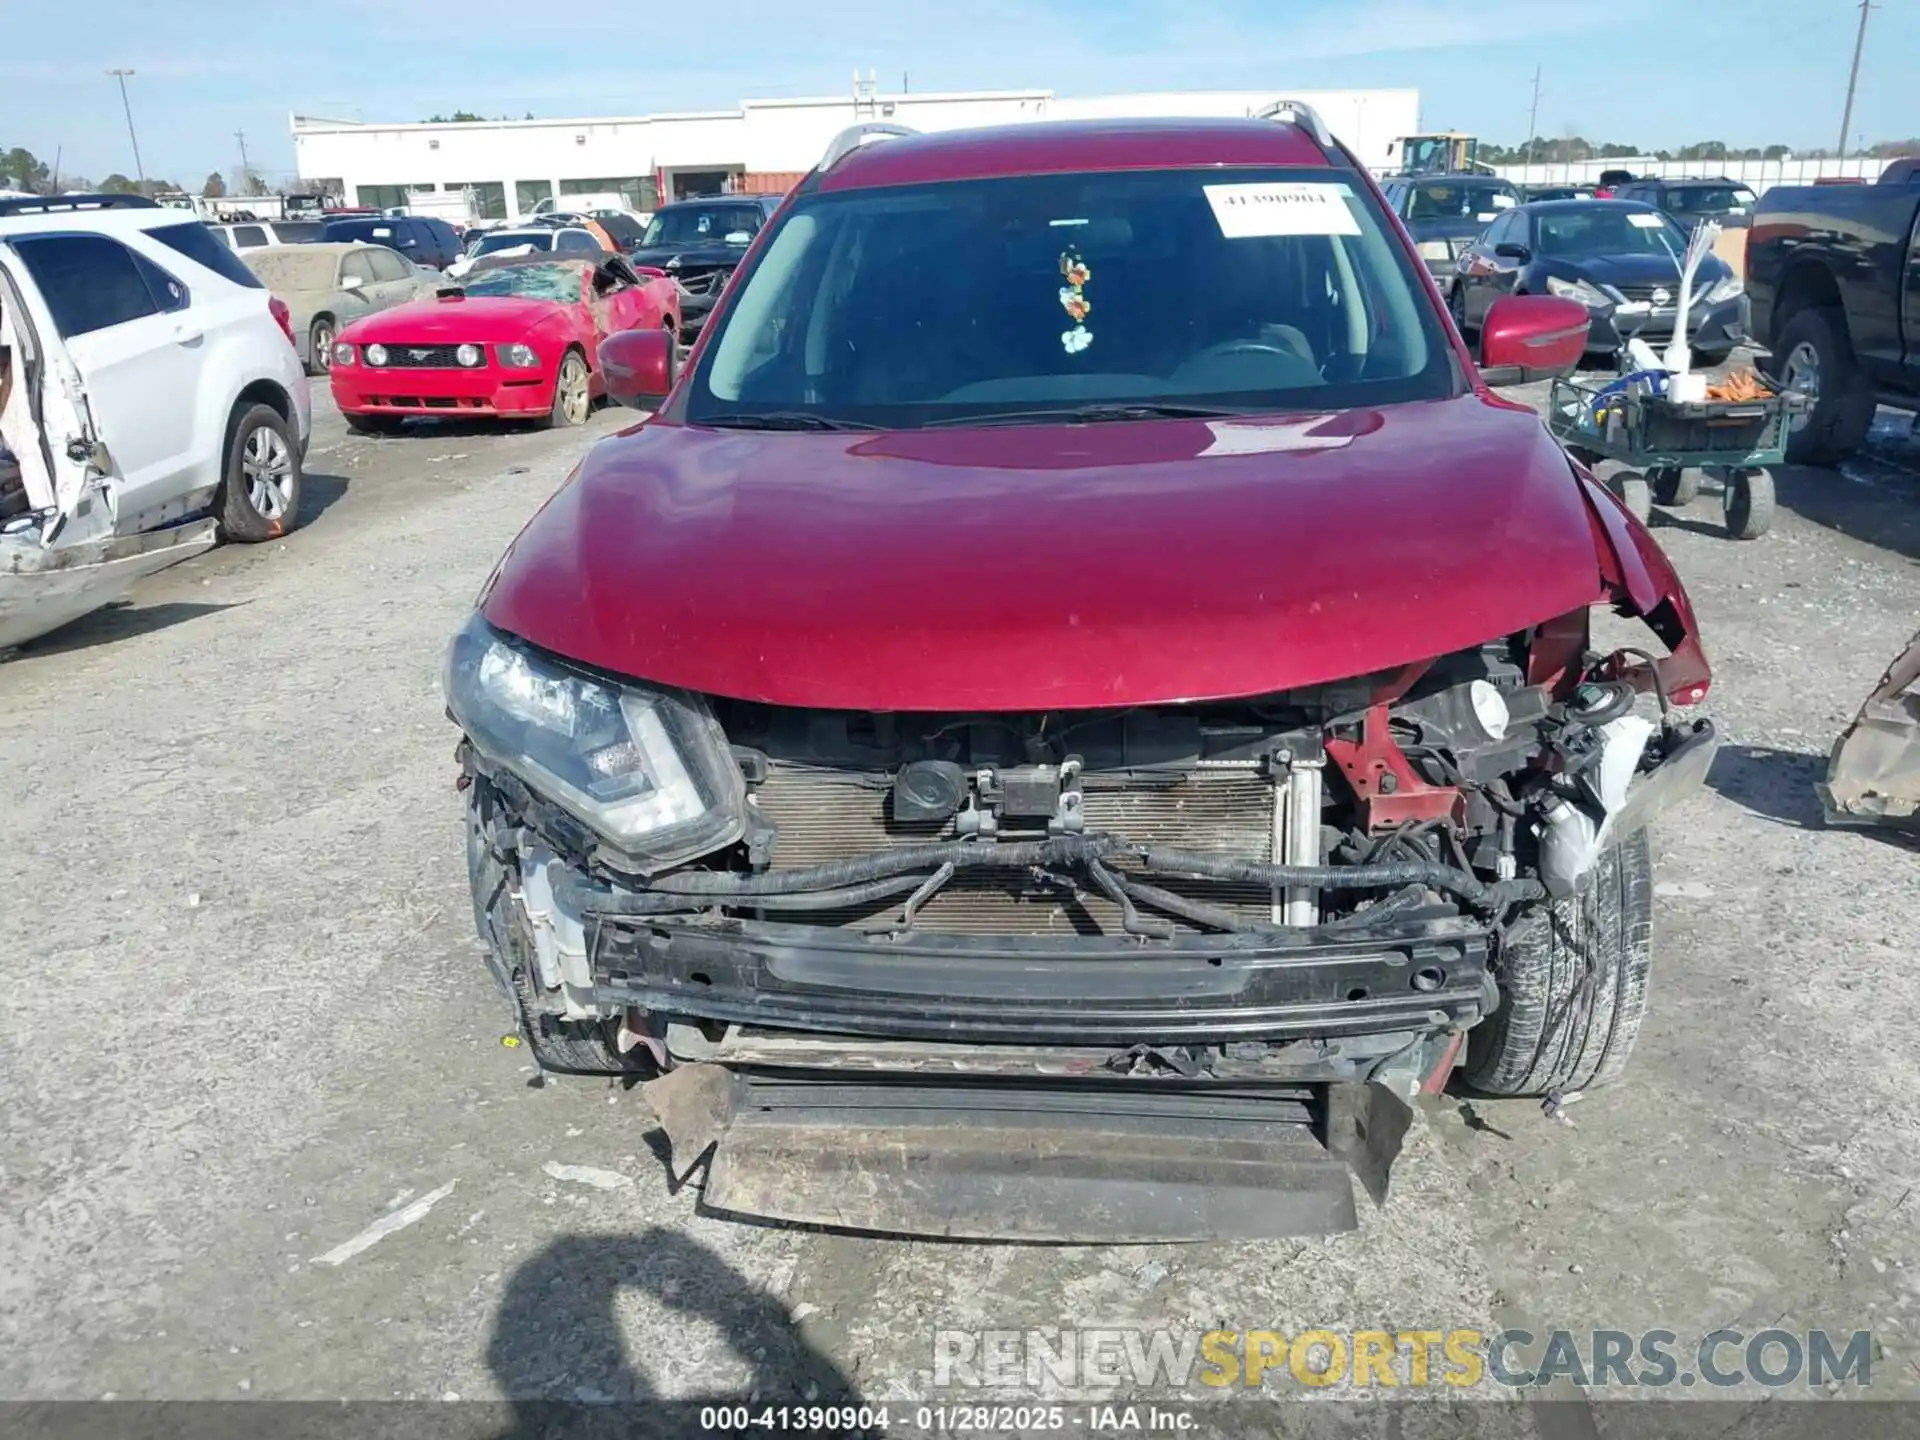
(1078,705)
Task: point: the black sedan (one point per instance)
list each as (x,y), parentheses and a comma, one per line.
(699,242)
(1531,194)
(1444,212)
(1618,258)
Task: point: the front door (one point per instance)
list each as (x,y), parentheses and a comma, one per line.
(393,282)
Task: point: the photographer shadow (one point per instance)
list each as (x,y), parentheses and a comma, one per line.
(558,1354)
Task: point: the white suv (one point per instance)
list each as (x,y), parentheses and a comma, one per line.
(155,403)
(258,234)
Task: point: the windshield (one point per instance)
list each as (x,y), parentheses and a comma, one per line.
(513,240)
(1709,199)
(556,281)
(704,225)
(1239,291)
(1460,200)
(1607,228)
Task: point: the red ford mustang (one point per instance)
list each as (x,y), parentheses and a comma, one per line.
(518,339)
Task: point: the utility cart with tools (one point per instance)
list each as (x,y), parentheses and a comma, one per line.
(1669,444)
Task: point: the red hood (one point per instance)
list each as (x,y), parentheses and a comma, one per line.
(1033,568)
(447,322)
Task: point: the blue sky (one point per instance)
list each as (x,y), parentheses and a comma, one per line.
(1652,72)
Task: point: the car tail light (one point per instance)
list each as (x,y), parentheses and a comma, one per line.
(284,316)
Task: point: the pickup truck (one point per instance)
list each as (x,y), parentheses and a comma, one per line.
(1833,285)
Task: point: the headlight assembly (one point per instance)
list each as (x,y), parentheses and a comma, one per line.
(1724,291)
(517,357)
(1589,295)
(648,769)
(1435,250)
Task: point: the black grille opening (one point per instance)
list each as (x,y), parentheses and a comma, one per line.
(425,357)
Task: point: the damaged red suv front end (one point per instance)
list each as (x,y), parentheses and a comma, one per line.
(1066,743)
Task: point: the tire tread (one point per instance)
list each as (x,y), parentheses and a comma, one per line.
(1573,985)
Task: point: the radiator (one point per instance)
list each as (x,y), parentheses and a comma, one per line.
(827,815)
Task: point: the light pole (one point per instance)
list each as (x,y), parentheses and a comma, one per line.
(121,76)
(1853,75)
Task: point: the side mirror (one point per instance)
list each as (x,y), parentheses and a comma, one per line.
(636,364)
(1511,250)
(351,282)
(1531,337)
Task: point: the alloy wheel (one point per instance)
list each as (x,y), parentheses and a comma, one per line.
(267,464)
(574,397)
(1800,374)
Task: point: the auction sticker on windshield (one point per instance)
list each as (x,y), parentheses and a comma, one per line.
(1644,220)
(1293,207)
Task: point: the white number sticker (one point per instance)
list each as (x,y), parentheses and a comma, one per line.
(1644,220)
(1281,208)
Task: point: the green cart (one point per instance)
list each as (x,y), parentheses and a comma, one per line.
(1669,445)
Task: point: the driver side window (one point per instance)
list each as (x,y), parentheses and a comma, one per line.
(387,265)
(355,266)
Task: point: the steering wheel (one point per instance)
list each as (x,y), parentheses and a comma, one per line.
(1243,347)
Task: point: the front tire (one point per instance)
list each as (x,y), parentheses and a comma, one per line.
(1573,984)
(320,347)
(260,488)
(1815,358)
(572,394)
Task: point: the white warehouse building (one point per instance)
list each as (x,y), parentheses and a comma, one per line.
(500,169)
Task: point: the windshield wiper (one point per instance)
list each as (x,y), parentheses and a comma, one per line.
(1102,413)
(782,420)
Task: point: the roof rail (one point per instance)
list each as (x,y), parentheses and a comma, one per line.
(47,204)
(1298,112)
(854,136)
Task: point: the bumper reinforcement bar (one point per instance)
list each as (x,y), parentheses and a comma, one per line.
(1417,975)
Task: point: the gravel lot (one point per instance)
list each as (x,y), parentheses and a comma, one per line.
(247,1020)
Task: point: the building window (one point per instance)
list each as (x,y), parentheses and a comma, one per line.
(486,198)
(529,193)
(381,197)
(640,191)
(423,189)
